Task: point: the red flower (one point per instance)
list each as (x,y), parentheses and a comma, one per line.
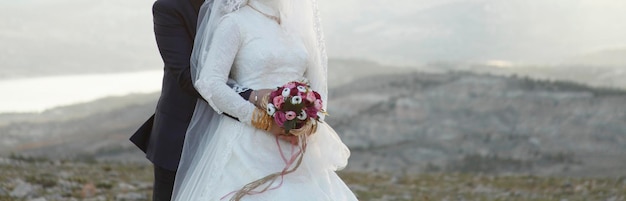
(311,112)
(275,93)
(280,118)
(317,95)
(294,91)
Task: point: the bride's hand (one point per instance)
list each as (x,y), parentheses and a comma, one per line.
(255,98)
(280,133)
(257,95)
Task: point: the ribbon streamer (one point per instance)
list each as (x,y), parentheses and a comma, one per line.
(248,189)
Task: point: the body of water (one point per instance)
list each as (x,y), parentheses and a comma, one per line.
(42,93)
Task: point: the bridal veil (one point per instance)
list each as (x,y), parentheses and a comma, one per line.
(300,17)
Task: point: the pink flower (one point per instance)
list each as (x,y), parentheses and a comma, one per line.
(278,101)
(290,85)
(318,105)
(279,118)
(290,115)
(303,95)
(310,96)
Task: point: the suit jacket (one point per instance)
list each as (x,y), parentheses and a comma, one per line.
(162,136)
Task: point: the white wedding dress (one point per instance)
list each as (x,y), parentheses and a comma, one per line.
(254,51)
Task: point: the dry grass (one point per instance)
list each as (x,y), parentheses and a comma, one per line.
(452,186)
(106,179)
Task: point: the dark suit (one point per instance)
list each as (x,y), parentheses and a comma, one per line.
(162,136)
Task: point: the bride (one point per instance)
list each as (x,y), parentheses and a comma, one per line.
(260,44)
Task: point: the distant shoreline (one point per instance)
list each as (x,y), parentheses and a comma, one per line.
(40,93)
(24,95)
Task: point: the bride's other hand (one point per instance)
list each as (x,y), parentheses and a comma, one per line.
(280,133)
(289,138)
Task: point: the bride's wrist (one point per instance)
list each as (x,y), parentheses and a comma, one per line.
(254,98)
(251,98)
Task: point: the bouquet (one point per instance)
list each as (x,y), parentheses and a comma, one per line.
(295,107)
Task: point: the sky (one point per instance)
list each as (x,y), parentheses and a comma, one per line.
(43,43)
(62,36)
(421,31)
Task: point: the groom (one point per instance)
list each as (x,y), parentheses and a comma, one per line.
(161,137)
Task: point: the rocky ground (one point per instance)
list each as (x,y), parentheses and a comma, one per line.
(465,122)
(413,136)
(28,179)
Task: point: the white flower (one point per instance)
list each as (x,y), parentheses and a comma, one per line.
(301,89)
(271,109)
(286,92)
(296,100)
(302,115)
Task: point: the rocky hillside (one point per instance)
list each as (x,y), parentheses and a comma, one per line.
(404,123)
(88,131)
(462,122)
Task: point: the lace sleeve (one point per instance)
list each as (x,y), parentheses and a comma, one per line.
(215,69)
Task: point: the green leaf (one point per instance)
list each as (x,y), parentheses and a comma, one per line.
(288,125)
(287,106)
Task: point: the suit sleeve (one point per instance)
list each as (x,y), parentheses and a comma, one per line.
(175,44)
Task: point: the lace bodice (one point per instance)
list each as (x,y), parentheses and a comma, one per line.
(254,51)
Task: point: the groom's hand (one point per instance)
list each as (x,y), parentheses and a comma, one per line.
(280,133)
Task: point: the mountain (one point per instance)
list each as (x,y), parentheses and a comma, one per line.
(98,129)
(344,71)
(464,122)
(598,75)
(604,58)
(407,123)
